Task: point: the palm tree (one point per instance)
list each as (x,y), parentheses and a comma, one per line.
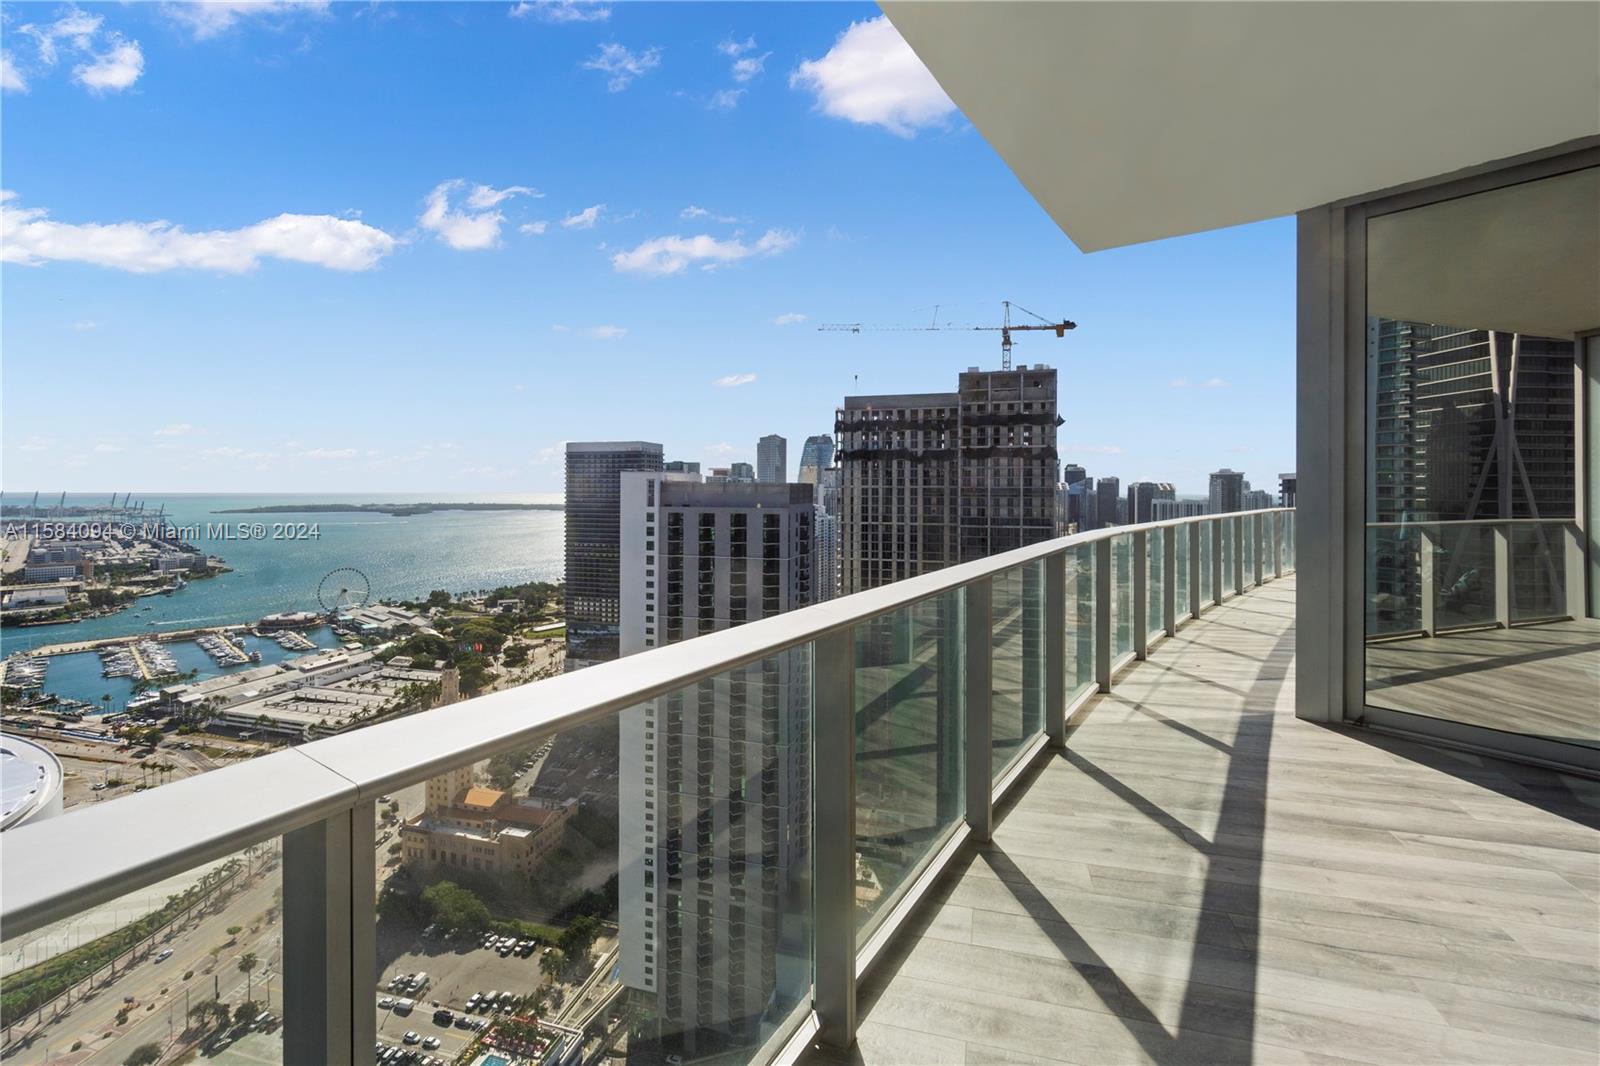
(247,962)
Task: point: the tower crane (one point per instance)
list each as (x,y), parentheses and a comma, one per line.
(1005,329)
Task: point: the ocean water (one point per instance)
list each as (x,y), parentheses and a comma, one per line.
(401,557)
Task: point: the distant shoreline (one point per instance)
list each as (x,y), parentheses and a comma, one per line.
(399,510)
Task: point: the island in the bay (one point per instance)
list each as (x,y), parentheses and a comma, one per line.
(397,509)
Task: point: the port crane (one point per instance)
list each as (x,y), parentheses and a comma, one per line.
(1005,329)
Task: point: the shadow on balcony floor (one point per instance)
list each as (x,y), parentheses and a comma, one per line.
(1202,878)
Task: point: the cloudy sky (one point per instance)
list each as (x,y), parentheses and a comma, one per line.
(411,247)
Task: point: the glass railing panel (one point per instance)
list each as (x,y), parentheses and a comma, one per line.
(637,886)
(1538,571)
(1463,569)
(1122,596)
(187,969)
(1208,589)
(1079,617)
(909,706)
(1225,530)
(1155,580)
(1288,540)
(1394,586)
(1180,535)
(1251,546)
(1018,662)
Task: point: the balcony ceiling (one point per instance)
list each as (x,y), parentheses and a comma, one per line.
(1131,122)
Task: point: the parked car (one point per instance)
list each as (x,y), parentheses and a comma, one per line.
(403,1006)
(430,1042)
(386,1002)
(464,1022)
(165,955)
(444,1016)
(412,1037)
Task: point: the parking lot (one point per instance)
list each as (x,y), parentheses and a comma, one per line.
(455,973)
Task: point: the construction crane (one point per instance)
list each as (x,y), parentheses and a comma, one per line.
(1005,329)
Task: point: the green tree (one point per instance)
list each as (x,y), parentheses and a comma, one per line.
(551,963)
(143,1055)
(246,1012)
(578,937)
(438,598)
(455,907)
(247,962)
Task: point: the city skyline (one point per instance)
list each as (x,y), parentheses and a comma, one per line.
(500,301)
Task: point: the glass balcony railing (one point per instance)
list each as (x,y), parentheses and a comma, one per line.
(692,853)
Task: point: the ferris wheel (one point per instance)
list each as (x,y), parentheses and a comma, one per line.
(343,588)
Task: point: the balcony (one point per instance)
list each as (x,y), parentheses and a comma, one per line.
(1062,812)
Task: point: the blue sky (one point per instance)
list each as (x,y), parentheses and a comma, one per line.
(415,247)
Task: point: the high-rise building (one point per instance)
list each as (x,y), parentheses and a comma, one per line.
(593,543)
(772,460)
(1072,473)
(741,472)
(815,457)
(1256,499)
(1141,494)
(714,779)
(932,479)
(1080,505)
(1107,494)
(1227,492)
(1167,509)
(680,466)
(1286,486)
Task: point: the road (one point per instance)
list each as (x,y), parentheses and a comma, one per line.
(158,988)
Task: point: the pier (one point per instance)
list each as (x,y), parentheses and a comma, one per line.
(138,659)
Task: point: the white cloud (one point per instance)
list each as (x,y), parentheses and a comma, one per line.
(11,79)
(216,17)
(692,212)
(790,319)
(730,47)
(623,65)
(584,219)
(724,99)
(175,429)
(608,333)
(1215,383)
(113,70)
(533,229)
(28,237)
(560,11)
(748,67)
(1209,383)
(872,77)
(108,449)
(329,453)
(36,444)
(76,27)
(669,255)
(721,448)
(559,328)
(474,226)
(733,381)
(83,325)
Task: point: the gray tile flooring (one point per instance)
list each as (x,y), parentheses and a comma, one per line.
(1202,878)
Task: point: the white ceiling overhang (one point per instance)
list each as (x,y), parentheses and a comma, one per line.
(1130,122)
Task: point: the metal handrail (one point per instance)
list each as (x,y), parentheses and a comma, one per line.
(51,869)
(1560,520)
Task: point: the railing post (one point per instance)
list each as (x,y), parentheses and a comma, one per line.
(1217,526)
(1427,547)
(1102,613)
(1277,543)
(1502,575)
(1055,652)
(1141,594)
(979,708)
(1237,577)
(1192,531)
(1169,570)
(329,940)
(834,737)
